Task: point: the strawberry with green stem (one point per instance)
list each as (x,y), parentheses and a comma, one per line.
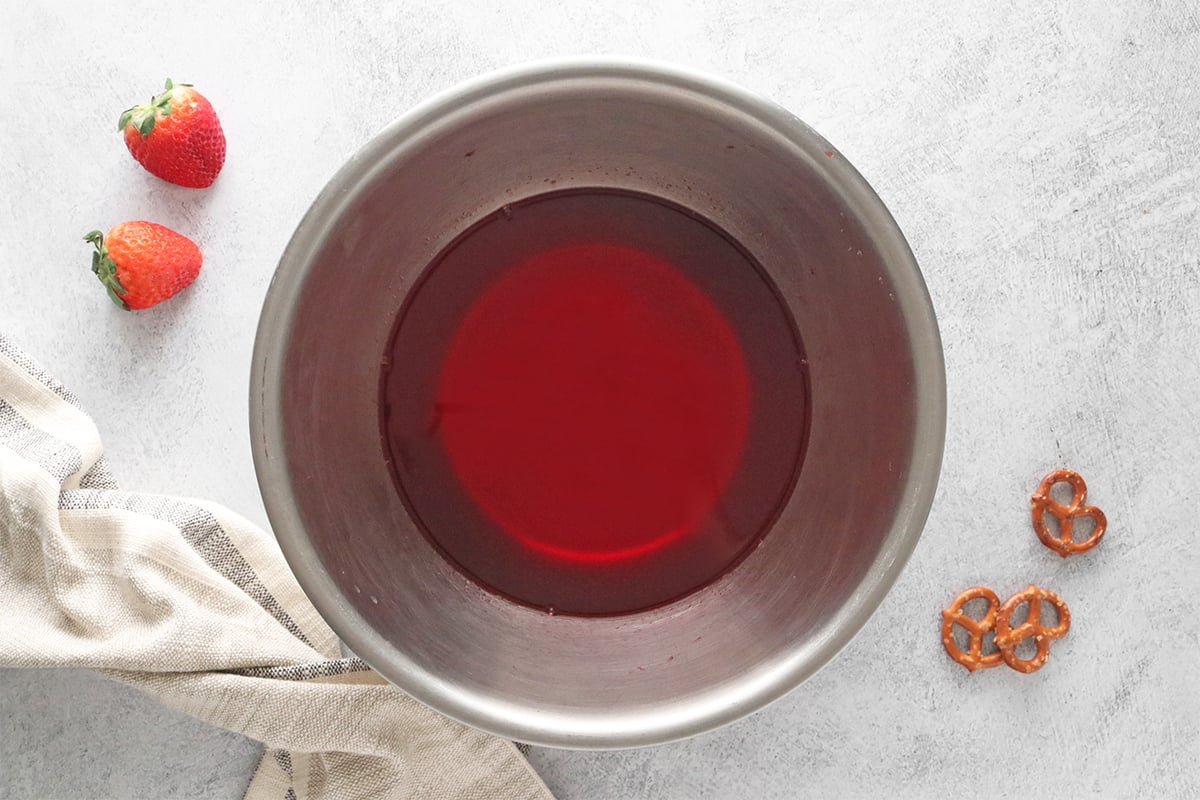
(176,136)
(143,263)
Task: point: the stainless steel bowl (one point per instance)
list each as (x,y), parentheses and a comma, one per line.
(840,263)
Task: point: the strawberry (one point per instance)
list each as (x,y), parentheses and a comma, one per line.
(176,136)
(143,263)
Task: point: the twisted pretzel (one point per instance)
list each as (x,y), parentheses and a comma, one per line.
(974,658)
(1043,503)
(1008,637)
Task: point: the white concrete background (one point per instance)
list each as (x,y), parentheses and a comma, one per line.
(1042,161)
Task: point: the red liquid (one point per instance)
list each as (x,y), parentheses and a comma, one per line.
(595,402)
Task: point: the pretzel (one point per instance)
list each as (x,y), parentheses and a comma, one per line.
(974,658)
(1008,637)
(1043,503)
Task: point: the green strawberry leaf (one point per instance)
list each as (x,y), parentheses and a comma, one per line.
(144,115)
(106,269)
(116,298)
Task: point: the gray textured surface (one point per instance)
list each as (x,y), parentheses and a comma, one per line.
(1043,163)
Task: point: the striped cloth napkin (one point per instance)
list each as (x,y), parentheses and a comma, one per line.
(195,606)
